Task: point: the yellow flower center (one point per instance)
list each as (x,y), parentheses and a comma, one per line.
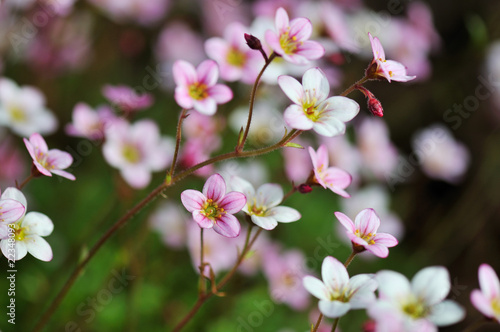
(289,44)
(236,58)
(17,114)
(495,305)
(259,211)
(20,232)
(198,91)
(131,153)
(367,237)
(211,210)
(342,295)
(310,107)
(415,309)
(42,160)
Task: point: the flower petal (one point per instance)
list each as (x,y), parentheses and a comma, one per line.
(334,273)
(346,222)
(59,159)
(378,250)
(11,211)
(19,248)
(341,108)
(267,222)
(215,187)
(184,73)
(241,185)
(192,200)
(233,202)
(292,88)
(446,313)
(431,284)
(37,223)
(314,80)
(300,28)
(488,281)
(201,220)
(333,309)
(227,225)
(482,303)
(392,285)
(38,247)
(385,239)
(15,194)
(310,50)
(38,143)
(328,126)
(284,214)
(363,287)
(220,93)
(295,117)
(316,287)
(367,222)
(206,106)
(207,72)
(269,195)
(281,20)
(377,49)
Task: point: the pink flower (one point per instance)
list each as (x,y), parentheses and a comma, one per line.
(291,42)
(137,150)
(383,68)
(89,123)
(487,300)
(196,88)
(262,205)
(29,231)
(10,211)
(214,208)
(337,293)
(236,60)
(47,161)
(363,232)
(417,306)
(332,178)
(126,98)
(170,221)
(312,109)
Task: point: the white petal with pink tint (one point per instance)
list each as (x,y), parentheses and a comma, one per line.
(207,72)
(38,247)
(296,118)
(292,88)
(184,73)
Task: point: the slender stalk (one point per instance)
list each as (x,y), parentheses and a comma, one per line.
(202,298)
(156,192)
(290,193)
(350,258)
(353,86)
(241,143)
(202,265)
(316,326)
(177,143)
(28,179)
(93,251)
(335,323)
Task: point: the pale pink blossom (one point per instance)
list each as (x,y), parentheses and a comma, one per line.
(236,60)
(214,208)
(337,293)
(137,150)
(417,306)
(312,109)
(363,232)
(332,178)
(11,211)
(263,206)
(171,223)
(297,162)
(23,109)
(29,231)
(126,98)
(284,272)
(291,39)
(197,88)
(382,68)
(487,300)
(90,123)
(440,155)
(47,161)
(188,43)
(193,152)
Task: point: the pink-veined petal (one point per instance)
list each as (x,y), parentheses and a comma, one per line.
(15,194)
(182,97)
(220,93)
(38,143)
(316,287)
(273,40)
(431,284)
(37,223)
(233,202)
(385,239)
(377,49)
(396,71)
(265,222)
(284,214)
(378,250)
(482,303)
(334,273)
(345,221)
(184,73)
(12,210)
(333,309)
(201,220)
(41,168)
(227,225)
(38,247)
(59,159)
(215,187)
(292,88)
(488,281)
(296,118)
(367,222)
(314,79)
(336,177)
(310,50)
(192,200)
(207,72)
(300,28)
(281,20)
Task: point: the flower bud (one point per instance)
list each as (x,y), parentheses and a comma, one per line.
(304,188)
(253,42)
(375,107)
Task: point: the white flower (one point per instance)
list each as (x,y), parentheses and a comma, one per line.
(262,206)
(28,232)
(23,110)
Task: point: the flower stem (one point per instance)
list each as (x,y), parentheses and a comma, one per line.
(241,143)
(335,323)
(316,326)
(28,179)
(202,265)
(177,144)
(350,258)
(354,86)
(202,298)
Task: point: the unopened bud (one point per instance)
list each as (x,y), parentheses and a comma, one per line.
(304,188)
(375,107)
(253,42)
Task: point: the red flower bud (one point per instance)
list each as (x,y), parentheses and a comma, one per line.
(375,107)
(253,42)
(305,188)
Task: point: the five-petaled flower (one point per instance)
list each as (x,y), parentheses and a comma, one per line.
(262,206)
(214,208)
(197,88)
(332,178)
(47,161)
(291,41)
(416,306)
(10,211)
(28,232)
(487,300)
(312,109)
(337,293)
(382,68)
(363,233)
